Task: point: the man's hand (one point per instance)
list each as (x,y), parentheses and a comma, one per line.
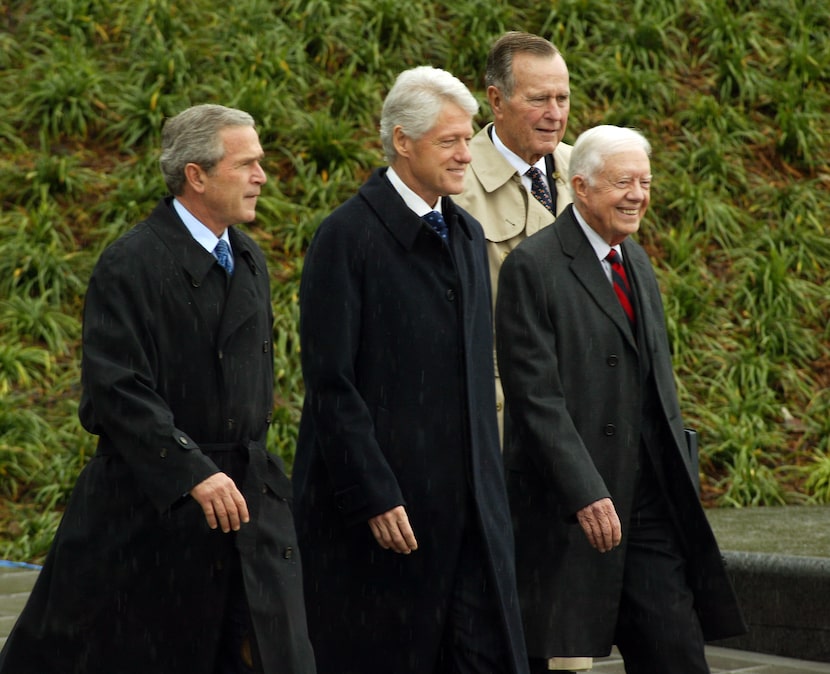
(223,504)
(601,525)
(392,531)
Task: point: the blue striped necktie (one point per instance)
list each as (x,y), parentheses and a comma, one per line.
(222,253)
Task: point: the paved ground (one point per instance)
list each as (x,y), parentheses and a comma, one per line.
(16,582)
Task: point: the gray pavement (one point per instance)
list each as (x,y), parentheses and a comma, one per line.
(15,584)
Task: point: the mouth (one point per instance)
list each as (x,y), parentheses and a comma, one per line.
(630,211)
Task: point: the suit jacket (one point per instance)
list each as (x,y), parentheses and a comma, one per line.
(396,336)
(571,368)
(494,194)
(178,384)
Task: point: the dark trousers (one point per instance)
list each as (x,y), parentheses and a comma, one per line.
(474,637)
(658,629)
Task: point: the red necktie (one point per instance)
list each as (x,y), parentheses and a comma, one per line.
(621,287)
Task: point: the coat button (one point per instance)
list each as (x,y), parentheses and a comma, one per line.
(183,440)
(194,283)
(163,453)
(610,429)
(612,360)
(288,553)
(451,295)
(499,406)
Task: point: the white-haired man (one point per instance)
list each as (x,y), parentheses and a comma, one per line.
(612,545)
(400,502)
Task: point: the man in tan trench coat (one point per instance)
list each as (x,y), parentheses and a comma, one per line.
(528,89)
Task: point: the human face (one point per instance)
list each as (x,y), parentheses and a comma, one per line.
(227,194)
(618,199)
(533,120)
(433,166)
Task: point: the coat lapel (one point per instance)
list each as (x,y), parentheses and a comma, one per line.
(242,300)
(588,271)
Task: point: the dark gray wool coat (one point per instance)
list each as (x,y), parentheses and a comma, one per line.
(576,412)
(177,374)
(396,336)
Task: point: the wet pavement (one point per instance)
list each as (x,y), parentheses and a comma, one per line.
(785,530)
(16,582)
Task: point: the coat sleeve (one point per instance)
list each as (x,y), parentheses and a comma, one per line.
(121,402)
(332,309)
(540,426)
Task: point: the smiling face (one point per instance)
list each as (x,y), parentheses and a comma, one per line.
(533,120)
(619,196)
(433,166)
(227,194)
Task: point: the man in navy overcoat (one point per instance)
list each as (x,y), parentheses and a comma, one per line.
(401,507)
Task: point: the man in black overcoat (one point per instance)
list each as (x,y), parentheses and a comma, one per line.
(612,544)
(177,551)
(401,507)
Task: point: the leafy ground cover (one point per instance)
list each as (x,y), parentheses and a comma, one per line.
(733,95)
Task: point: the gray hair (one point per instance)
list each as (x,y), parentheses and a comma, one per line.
(595,144)
(192,136)
(499,70)
(416,100)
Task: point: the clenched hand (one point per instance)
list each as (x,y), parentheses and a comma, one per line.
(601,524)
(223,504)
(393,532)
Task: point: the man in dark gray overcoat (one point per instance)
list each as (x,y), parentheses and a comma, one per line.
(612,543)
(177,551)
(401,507)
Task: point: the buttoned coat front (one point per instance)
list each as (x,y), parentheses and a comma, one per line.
(178,375)
(396,335)
(571,369)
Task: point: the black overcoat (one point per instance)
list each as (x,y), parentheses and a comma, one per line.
(396,337)
(178,374)
(567,358)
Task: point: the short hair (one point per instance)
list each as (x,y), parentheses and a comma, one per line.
(192,136)
(499,70)
(415,101)
(595,144)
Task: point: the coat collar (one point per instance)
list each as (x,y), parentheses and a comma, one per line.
(398,218)
(242,299)
(588,270)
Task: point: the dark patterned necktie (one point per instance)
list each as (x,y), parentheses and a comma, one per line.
(538,188)
(621,286)
(436,221)
(222,253)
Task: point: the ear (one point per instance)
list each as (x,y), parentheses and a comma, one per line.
(401,141)
(195,177)
(580,187)
(496,100)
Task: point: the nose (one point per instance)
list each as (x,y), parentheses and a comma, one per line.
(636,191)
(463,155)
(259,176)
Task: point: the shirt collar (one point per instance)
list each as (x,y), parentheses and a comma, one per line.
(515,160)
(600,245)
(203,236)
(412,200)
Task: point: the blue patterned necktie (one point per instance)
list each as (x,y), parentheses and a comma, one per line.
(436,221)
(222,253)
(538,188)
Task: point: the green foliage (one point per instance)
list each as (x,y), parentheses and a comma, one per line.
(733,94)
